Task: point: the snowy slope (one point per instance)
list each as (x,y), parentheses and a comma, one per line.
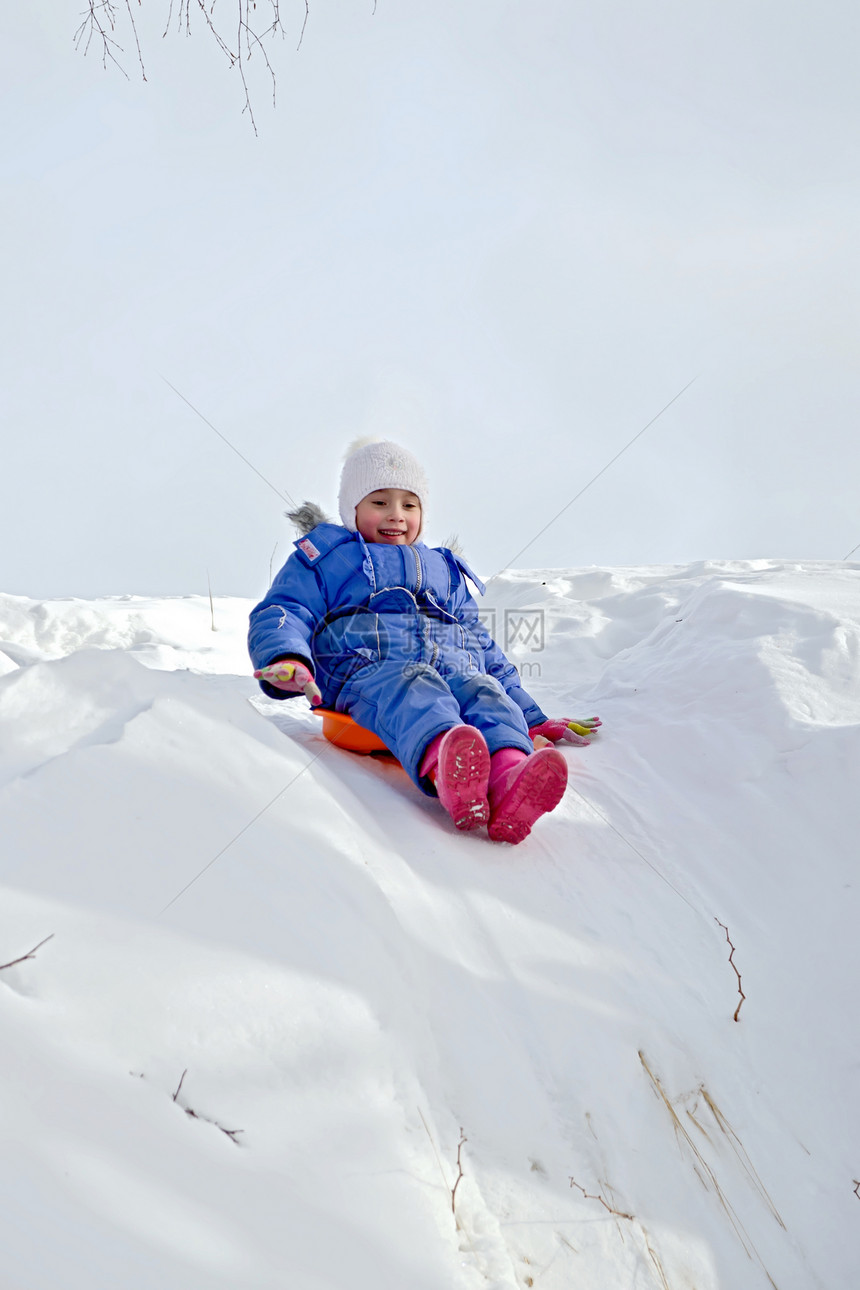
(346,988)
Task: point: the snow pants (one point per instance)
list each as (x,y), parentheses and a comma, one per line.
(408,704)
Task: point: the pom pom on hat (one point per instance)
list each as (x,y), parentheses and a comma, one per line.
(377,463)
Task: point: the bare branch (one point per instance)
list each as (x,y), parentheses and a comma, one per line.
(304,24)
(136,39)
(463,1139)
(183,20)
(232,1134)
(99,20)
(256,20)
(737,973)
(30,955)
(588,1196)
(99,23)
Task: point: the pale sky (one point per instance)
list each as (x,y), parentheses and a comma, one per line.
(503,234)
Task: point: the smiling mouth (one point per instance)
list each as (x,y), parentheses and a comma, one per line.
(392,532)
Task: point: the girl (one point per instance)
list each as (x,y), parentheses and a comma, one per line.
(367,620)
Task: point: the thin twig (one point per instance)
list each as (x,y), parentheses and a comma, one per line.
(136,39)
(92,26)
(588,1196)
(255,21)
(737,973)
(304,24)
(205,13)
(857,1188)
(463,1139)
(30,955)
(99,22)
(232,1134)
(252,38)
(241,61)
(464,1230)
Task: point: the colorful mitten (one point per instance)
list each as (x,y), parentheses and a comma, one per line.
(573,732)
(292,676)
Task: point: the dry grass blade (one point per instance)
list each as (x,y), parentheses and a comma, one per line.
(705,1173)
(655,1259)
(740,1151)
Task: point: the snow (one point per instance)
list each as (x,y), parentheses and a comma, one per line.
(290,942)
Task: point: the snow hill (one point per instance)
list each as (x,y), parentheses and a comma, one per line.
(286,1010)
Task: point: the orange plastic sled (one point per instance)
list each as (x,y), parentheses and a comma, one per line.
(341,730)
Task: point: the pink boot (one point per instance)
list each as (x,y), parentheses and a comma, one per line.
(458,762)
(522,788)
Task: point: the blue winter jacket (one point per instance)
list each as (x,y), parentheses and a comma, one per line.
(392,636)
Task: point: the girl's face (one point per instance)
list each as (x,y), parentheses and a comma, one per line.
(389,515)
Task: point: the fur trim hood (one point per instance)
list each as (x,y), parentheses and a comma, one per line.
(307,517)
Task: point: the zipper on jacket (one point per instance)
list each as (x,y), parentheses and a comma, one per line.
(418,581)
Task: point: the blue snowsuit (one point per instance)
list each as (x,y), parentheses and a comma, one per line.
(392,636)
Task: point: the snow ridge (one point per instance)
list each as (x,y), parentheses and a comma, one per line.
(637,1029)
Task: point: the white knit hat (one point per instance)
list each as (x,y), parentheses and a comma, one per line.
(377,463)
